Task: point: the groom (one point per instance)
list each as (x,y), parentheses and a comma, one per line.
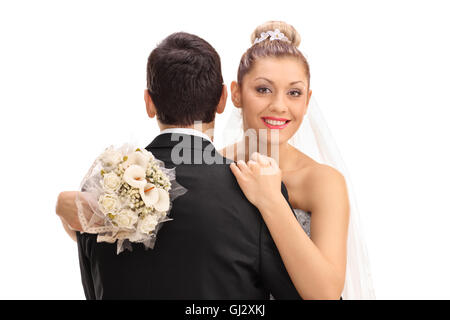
(217,245)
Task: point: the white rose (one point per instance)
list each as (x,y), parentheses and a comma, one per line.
(108,203)
(110,158)
(111,181)
(148,224)
(126,218)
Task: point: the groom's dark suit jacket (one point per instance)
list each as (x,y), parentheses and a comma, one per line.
(216,247)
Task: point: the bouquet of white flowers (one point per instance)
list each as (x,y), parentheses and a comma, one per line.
(126,196)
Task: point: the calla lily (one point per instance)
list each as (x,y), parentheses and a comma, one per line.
(149,194)
(137,158)
(134,175)
(163,201)
(156,197)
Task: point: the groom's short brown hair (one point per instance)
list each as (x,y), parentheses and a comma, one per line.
(184,79)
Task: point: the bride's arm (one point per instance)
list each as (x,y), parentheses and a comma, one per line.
(317,265)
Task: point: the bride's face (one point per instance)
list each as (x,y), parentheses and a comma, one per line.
(273,96)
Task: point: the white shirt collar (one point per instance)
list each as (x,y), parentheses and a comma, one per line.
(188,131)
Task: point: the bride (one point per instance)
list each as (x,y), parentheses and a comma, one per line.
(272,94)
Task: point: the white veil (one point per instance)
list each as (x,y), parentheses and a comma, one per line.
(314,139)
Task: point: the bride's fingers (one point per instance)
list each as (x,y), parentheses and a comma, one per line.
(253,166)
(272,162)
(255,156)
(264,161)
(243,167)
(260,159)
(237,172)
(271,168)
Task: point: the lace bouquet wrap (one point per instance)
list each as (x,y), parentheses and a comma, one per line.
(126,196)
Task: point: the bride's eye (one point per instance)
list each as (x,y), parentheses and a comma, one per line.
(295,93)
(263,90)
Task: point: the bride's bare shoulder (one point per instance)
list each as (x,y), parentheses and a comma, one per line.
(324,182)
(310,181)
(322,174)
(300,165)
(309,170)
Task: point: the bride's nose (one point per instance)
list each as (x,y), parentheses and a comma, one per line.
(278,105)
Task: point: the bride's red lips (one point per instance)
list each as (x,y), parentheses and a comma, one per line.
(270,126)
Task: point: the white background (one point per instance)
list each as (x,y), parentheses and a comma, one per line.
(72,77)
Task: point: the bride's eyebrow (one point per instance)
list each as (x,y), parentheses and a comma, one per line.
(262,78)
(271,82)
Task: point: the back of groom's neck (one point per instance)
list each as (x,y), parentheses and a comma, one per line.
(206,128)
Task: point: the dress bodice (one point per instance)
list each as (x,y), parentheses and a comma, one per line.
(304,218)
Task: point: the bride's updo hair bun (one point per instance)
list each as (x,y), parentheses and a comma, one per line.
(272,48)
(288,30)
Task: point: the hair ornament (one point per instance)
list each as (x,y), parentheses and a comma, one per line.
(274,35)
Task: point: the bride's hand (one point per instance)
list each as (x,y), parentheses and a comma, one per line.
(67,210)
(259,179)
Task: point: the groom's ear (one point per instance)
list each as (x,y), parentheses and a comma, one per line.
(223,100)
(235,94)
(149,105)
